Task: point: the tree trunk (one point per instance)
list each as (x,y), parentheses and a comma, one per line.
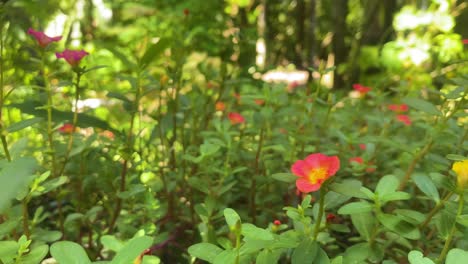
(340,50)
(300,34)
(311,34)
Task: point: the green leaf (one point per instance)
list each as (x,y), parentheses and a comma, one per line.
(8,249)
(147,259)
(226,257)
(36,255)
(456,157)
(23,124)
(321,257)
(132,250)
(306,202)
(253,232)
(94,68)
(267,256)
(396,196)
(457,256)
(14,176)
(426,185)
(119,96)
(349,188)
(305,252)
(444,222)
(231,217)
(205,251)
(198,184)
(397,225)
(422,105)
(112,243)
(7,226)
(364,224)
(387,184)
(337,260)
(357,254)
(69,252)
(356,207)
(284,177)
(416,257)
(153,51)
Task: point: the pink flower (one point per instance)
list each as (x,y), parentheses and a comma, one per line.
(401,108)
(361,88)
(236,118)
(356,160)
(42,39)
(277,222)
(314,170)
(362,146)
(73,57)
(404,119)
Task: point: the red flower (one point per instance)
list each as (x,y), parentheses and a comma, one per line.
(404,119)
(465,41)
(401,108)
(220,106)
(330,217)
(66,129)
(277,222)
(108,134)
(292,85)
(73,57)
(236,118)
(259,101)
(356,160)
(362,146)
(314,170)
(237,96)
(361,88)
(42,39)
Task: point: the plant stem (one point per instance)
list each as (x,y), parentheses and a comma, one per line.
(320,214)
(434,211)
(130,147)
(50,132)
(253,186)
(74,122)
(452,231)
(2,135)
(24,205)
(413,164)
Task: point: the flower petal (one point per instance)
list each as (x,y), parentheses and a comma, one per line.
(306,187)
(300,168)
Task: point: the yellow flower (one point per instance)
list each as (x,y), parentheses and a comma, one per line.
(461,169)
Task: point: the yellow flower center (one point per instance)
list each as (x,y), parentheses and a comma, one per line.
(317,175)
(461,169)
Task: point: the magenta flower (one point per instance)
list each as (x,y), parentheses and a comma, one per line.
(73,57)
(42,39)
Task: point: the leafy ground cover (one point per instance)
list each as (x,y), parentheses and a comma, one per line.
(155,146)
